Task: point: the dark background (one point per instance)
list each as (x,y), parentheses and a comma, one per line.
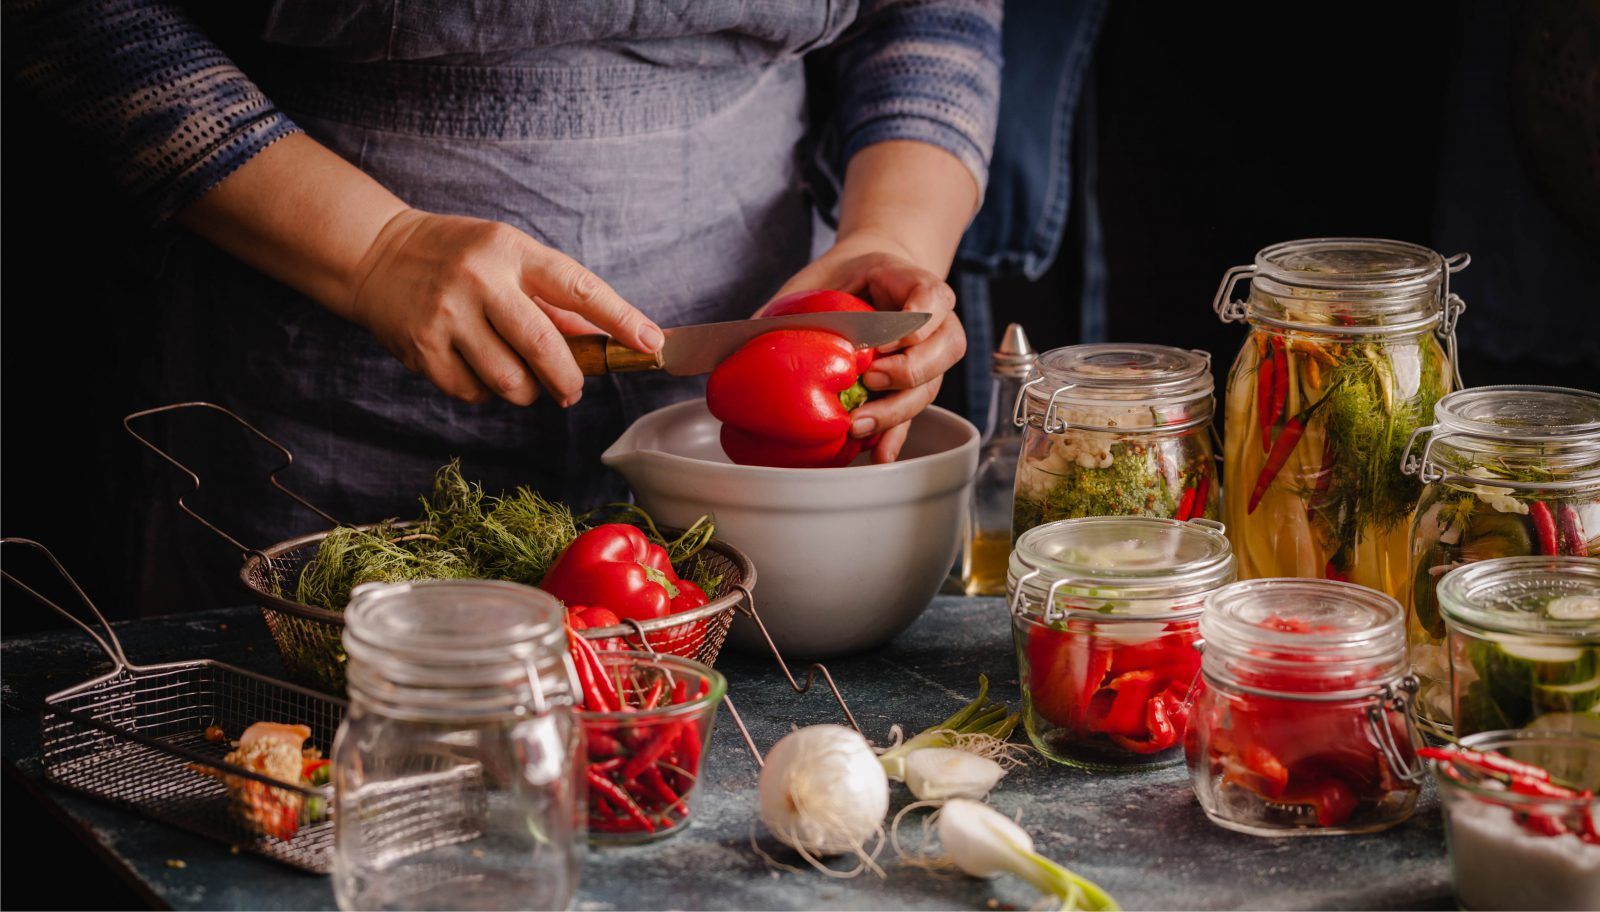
(1194,176)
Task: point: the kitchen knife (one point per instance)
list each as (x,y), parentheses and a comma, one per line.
(691,350)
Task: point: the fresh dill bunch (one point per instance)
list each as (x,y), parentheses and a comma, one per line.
(454,511)
(521,536)
(385,554)
(1368,423)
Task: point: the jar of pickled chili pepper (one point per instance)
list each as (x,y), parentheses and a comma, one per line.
(1301,720)
(1506,471)
(1351,344)
(1104,618)
(1115,430)
(1523,635)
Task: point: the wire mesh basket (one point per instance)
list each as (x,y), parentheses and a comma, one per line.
(143,737)
(309,638)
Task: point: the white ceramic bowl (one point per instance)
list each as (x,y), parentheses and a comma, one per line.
(847,557)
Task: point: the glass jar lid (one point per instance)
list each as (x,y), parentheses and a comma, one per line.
(457,646)
(1535,437)
(1304,635)
(1554,597)
(1347,286)
(1109,385)
(1126,566)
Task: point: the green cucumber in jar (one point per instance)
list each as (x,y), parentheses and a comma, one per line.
(1425,591)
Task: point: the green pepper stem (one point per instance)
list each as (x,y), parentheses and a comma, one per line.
(853,397)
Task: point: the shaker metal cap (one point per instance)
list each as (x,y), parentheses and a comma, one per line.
(1015,356)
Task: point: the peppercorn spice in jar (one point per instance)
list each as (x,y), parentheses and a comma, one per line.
(1301,722)
(1115,430)
(1508,471)
(1351,344)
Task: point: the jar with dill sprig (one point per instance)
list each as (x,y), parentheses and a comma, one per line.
(1351,345)
(1507,471)
(1115,430)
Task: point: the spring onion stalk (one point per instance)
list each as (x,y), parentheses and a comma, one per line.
(980,728)
(984,843)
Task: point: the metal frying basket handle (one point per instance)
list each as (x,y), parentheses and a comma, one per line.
(748,609)
(272,476)
(109,643)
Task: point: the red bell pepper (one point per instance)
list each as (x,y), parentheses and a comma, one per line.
(615,566)
(1134,695)
(785,397)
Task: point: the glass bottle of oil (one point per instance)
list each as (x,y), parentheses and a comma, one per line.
(986,547)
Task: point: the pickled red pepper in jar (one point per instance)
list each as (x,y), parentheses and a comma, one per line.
(1351,345)
(1300,722)
(1104,619)
(1508,471)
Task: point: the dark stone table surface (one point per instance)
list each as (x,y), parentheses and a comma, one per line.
(1141,836)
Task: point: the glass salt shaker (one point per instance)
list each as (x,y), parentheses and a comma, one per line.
(986,547)
(456,770)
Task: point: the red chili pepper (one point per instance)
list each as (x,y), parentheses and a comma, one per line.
(689,746)
(653,695)
(1523,785)
(1569,532)
(1202,494)
(1280,379)
(1485,762)
(616,567)
(1266,379)
(1332,571)
(664,739)
(614,793)
(1281,448)
(1543,824)
(311,766)
(785,397)
(1544,526)
(1186,505)
(599,694)
(1332,799)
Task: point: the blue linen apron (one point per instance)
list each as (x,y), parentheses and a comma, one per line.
(655,142)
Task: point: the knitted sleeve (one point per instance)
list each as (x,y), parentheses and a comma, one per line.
(926,70)
(144,88)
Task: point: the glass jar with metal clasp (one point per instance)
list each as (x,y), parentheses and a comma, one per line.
(1301,722)
(1115,430)
(1352,342)
(1104,615)
(1506,471)
(456,771)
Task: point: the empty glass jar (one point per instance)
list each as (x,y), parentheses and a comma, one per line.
(1115,430)
(455,771)
(1301,722)
(1105,614)
(1524,643)
(1507,471)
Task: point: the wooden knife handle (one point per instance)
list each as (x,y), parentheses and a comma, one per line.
(597,355)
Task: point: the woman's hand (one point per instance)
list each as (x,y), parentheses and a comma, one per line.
(480,308)
(910,370)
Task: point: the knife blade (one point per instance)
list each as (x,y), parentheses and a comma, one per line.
(697,349)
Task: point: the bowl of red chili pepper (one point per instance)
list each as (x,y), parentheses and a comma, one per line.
(646,722)
(1105,618)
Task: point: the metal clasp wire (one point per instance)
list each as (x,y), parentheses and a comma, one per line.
(1411,464)
(1396,696)
(1060,424)
(1451,312)
(1227,309)
(1017,418)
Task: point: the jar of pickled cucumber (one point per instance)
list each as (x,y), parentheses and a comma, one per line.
(1507,471)
(1115,430)
(1523,635)
(1351,344)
